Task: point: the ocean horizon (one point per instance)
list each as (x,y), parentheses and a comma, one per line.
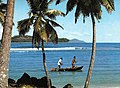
(24,58)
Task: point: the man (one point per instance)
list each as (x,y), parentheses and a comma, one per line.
(59,62)
(73,62)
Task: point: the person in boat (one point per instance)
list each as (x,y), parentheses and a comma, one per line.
(60,63)
(73,62)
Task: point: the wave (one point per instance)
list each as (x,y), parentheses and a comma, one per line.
(61,48)
(35,49)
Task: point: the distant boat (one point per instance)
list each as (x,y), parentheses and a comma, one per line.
(67,69)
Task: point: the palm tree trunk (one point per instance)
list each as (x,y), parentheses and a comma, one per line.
(6,41)
(93,54)
(45,66)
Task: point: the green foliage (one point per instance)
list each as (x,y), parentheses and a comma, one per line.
(63,40)
(1,17)
(3,8)
(86,7)
(42,20)
(24,26)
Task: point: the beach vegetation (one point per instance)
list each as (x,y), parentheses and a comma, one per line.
(28,38)
(43,20)
(89,8)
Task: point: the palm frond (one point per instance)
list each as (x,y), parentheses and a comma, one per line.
(24,26)
(37,5)
(54,24)
(43,34)
(37,24)
(108,4)
(39,27)
(97,10)
(78,11)
(54,12)
(52,34)
(58,1)
(36,39)
(1,18)
(3,8)
(70,5)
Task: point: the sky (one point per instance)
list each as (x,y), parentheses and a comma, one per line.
(108,29)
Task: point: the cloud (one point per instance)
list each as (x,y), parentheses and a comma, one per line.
(109,35)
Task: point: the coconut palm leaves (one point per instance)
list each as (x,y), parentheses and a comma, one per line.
(42,20)
(1,18)
(24,26)
(53,13)
(85,7)
(108,4)
(3,8)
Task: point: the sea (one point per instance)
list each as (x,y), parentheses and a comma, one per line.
(106,71)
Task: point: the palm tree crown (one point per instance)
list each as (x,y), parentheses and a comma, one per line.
(43,22)
(85,7)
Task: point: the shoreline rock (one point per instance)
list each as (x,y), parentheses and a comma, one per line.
(31,82)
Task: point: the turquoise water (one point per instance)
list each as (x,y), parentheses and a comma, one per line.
(106,71)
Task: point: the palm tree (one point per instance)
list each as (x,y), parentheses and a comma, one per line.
(90,8)
(6,41)
(42,20)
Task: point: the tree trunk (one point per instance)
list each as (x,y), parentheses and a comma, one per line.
(6,41)
(93,54)
(45,66)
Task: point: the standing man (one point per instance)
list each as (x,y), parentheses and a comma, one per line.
(73,62)
(59,62)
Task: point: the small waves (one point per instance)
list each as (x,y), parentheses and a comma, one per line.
(35,49)
(61,48)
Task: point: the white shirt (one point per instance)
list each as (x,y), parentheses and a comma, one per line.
(59,62)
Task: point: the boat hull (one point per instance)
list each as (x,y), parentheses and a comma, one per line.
(67,69)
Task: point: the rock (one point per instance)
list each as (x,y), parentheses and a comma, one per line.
(24,80)
(68,86)
(29,82)
(12,82)
(43,82)
(34,81)
(38,83)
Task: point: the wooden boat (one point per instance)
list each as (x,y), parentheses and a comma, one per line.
(67,69)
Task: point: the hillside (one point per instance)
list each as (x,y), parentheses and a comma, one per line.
(76,41)
(29,39)
(22,38)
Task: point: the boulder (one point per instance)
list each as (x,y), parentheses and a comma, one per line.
(68,86)
(34,81)
(43,82)
(12,82)
(24,80)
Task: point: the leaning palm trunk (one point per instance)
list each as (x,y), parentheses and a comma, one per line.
(93,53)
(6,41)
(45,67)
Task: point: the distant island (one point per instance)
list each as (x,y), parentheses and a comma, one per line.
(28,38)
(76,41)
